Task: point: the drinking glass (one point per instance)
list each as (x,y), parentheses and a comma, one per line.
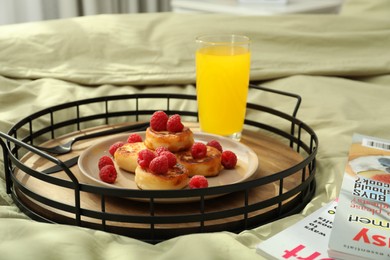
(222,80)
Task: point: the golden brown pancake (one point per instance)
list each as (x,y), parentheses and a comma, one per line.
(126,156)
(176,178)
(175,142)
(208,166)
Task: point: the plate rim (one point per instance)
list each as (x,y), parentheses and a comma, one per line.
(252,165)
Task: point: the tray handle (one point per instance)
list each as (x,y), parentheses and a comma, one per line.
(8,157)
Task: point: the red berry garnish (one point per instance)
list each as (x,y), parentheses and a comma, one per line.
(105,160)
(108,174)
(215,144)
(174,124)
(159,165)
(145,156)
(171,158)
(229,159)
(198,181)
(161,149)
(158,121)
(198,150)
(115,146)
(134,138)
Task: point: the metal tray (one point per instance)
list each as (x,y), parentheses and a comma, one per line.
(241,206)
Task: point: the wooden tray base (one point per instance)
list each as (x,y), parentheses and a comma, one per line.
(274,156)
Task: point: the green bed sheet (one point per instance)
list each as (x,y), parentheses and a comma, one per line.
(338,64)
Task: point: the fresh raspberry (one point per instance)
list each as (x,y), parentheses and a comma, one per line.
(229,159)
(134,138)
(174,124)
(159,165)
(115,146)
(215,144)
(158,121)
(171,158)
(198,181)
(105,160)
(198,150)
(145,156)
(108,174)
(161,149)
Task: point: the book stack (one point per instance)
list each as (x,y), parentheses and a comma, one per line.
(362,223)
(360,228)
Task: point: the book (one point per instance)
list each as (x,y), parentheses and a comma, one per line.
(307,239)
(362,223)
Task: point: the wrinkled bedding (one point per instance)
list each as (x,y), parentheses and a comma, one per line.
(338,64)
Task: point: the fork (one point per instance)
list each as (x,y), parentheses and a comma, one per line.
(67,147)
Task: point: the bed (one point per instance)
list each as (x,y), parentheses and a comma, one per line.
(338,64)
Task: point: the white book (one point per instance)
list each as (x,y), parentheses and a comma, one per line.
(307,239)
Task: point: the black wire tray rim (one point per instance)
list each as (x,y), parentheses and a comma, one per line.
(199,192)
(168,96)
(202,192)
(96,100)
(284,202)
(161,219)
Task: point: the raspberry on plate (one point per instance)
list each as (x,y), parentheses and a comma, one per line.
(171,158)
(174,124)
(159,165)
(215,144)
(161,149)
(105,160)
(198,150)
(198,181)
(158,121)
(115,146)
(134,138)
(145,156)
(229,159)
(108,174)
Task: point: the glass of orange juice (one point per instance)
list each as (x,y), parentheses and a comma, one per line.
(222,80)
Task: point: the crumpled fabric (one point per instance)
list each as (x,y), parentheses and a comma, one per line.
(339,65)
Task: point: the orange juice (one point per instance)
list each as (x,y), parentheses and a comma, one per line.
(222,78)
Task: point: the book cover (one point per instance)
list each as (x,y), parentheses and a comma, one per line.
(307,239)
(362,222)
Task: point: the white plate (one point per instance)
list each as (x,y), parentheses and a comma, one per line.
(247,163)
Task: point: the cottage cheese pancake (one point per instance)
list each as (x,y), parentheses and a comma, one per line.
(208,166)
(174,141)
(176,178)
(126,155)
